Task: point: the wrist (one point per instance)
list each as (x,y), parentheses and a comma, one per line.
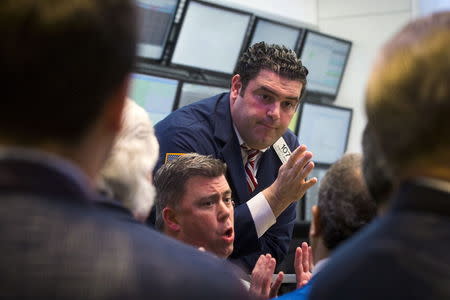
(273,200)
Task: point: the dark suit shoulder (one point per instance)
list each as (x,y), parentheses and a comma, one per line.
(291,139)
(69,249)
(191,115)
(391,259)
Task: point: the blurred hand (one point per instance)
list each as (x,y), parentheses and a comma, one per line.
(303,264)
(261,285)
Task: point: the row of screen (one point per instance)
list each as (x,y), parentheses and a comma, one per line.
(323,128)
(212,37)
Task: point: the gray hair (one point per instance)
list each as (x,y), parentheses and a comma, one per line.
(126,175)
(171,178)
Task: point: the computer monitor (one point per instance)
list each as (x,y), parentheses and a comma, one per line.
(272,32)
(155,94)
(211,37)
(155,20)
(294,122)
(312,194)
(193,92)
(325,57)
(324,129)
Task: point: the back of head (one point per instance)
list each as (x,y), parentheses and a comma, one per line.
(376,172)
(344,202)
(60,60)
(275,58)
(408,97)
(126,175)
(171,178)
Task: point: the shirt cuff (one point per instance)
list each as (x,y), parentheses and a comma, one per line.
(262,213)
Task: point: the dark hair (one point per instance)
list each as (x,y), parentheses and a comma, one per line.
(171,178)
(276,58)
(344,202)
(60,61)
(376,171)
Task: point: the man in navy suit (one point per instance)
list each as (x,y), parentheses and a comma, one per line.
(247,128)
(65,68)
(405,253)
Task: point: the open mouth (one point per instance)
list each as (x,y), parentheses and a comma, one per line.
(229,232)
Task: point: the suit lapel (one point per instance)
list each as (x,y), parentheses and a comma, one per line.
(269,161)
(230,150)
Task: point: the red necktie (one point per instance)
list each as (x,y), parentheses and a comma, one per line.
(252,155)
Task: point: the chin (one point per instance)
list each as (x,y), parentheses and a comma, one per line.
(229,251)
(225,253)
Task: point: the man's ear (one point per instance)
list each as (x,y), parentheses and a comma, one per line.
(115,106)
(171,222)
(236,86)
(315,228)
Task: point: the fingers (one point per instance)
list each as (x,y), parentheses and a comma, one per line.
(298,265)
(305,257)
(303,264)
(299,164)
(298,260)
(303,167)
(276,285)
(257,279)
(262,276)
(309,183)
(270,269)
(311,260)
(295,156)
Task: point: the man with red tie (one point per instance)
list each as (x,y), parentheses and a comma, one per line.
(247,128)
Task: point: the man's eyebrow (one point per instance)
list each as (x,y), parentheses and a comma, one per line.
(269,90)
(227,193)
(213,197)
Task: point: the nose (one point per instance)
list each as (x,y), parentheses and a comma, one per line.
(273,110)
(223,211)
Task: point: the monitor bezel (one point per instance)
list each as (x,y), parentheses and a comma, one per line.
(242,47)
(182,82)
(166,40)
(300,36)
(141,72)
(299,120)
(329,96)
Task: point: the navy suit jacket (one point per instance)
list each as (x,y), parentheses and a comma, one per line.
(56,244)
(206,127)
(402,255)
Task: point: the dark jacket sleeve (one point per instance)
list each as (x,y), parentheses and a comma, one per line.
(275,241)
